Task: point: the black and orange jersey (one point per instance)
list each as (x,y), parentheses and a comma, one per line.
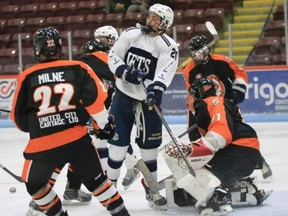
(98,61)
(222,70)
(54,100)
(222,119)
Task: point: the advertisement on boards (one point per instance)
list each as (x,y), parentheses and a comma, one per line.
(7,88)
(267,93)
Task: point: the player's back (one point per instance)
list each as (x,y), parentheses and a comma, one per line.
(51,99)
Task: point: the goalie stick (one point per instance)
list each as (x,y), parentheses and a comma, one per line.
(18,178)
(193,127)
(210,27)
(191,175)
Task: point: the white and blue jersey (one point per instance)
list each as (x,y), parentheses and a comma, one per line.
(157,56)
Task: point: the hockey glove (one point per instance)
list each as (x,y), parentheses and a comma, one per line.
(129,74)
(238,93)
(154,93)
(107,132)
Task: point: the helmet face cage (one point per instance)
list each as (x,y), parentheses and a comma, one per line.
(94,46)
(166,14)
(197,42)
(107,31)
(202,88)
(47,43)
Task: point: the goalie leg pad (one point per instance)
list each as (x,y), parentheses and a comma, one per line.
(201,187)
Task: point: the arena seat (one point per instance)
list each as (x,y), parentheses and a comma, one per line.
(28,10)
(94,21)
(131,18)
(275,28)
(258,60)
(56,21)
(86,7)
(15,25)
(181,4)
(193,16)
(5,40)
(79,37)
(75,22)
(10,69)
(66,8)
(202,4)
(268,45)
(48,9)
(216,16)
(114,19)
(9,11)
(33,23)
(184,32)
(279,59)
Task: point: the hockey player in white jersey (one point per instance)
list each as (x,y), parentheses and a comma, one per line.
(141,54)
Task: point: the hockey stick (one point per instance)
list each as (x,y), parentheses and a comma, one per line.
(193,127)
(191,175)
(3,110)
(215,35)
(18,178)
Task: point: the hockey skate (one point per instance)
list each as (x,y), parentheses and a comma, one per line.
(155,200)
(219,204)
(76,197)
(246,193)
(34,209)
(130,177)
(123,212)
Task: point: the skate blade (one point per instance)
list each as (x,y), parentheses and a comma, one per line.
(74,203)
(32,212)
(157,208)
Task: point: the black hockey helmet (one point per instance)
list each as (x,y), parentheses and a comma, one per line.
(47,43)
(93,46)
(197,42)
(202,88)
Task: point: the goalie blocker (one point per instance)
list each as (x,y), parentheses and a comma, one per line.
(202,187)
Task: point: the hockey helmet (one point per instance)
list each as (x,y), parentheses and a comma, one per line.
(107,31)
(197,42)
(202,88)
(166,14)
(94,45)
(46,43)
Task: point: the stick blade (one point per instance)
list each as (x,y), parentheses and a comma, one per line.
(211,28)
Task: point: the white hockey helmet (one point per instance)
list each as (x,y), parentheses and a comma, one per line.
(166,14)
(106,31)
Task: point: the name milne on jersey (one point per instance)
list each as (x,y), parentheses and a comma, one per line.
(51,77)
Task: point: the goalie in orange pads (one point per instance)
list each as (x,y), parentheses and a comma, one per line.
(230,148)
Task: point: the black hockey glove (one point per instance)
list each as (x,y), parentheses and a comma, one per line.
(129,74)
(107,132)
(238,93)
(154,93)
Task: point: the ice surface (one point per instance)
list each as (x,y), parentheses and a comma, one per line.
(274,147)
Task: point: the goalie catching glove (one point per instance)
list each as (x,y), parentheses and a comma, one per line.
(107,132)
(173,151)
